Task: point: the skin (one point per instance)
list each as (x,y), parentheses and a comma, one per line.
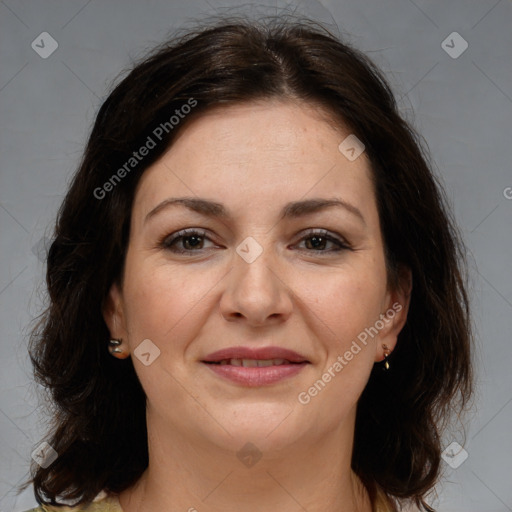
(253,158)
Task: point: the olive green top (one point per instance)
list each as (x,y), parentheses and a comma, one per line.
(110,503)
(102,503)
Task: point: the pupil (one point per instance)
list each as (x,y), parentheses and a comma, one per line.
(318,241)
(195,237)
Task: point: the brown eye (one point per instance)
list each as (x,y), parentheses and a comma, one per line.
(318,240)
(191,240)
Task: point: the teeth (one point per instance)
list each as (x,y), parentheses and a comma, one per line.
(253,363)
(265,362)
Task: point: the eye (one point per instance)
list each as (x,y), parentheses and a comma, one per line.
(191,240)
(319,238)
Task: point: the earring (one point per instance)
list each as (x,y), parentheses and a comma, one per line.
(386,354)
(114,347)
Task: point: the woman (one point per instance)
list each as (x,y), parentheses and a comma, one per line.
(256,236)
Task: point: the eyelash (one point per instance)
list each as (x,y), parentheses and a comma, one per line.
(168,241)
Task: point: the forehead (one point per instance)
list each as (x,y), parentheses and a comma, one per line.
(258,154)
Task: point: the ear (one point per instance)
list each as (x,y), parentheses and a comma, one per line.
(113,313)
(394,315)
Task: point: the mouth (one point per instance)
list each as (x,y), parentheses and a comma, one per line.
(252,356)
(254,363)
(252,367)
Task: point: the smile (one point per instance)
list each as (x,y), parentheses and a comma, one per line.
(255,372)
(253,363)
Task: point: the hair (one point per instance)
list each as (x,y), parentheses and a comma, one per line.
(100,434)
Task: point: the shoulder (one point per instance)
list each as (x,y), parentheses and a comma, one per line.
(102,503)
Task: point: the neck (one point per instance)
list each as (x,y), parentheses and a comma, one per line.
(189,473)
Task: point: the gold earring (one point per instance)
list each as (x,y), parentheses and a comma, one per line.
(386,354)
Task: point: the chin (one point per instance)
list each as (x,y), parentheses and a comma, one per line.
(268,426)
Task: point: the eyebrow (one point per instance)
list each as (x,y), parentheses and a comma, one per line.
(294,209)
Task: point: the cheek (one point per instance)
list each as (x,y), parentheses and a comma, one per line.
(344,308)
(163,300)
(346,302)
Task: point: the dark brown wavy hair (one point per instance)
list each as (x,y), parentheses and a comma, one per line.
(99,433)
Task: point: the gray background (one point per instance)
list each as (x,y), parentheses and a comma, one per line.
(461,106)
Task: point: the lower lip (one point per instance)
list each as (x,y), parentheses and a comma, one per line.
(256,376)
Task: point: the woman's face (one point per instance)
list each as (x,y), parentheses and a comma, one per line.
(311,281)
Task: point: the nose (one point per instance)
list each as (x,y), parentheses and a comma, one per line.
(256,293)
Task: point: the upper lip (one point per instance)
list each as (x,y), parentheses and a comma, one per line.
(255,353)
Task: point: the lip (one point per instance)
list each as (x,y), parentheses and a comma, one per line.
(256,376)
(255,353)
